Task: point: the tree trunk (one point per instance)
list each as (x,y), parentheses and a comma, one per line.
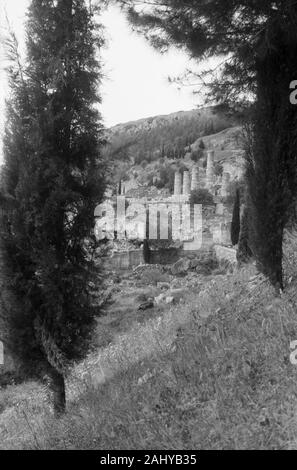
(57,387)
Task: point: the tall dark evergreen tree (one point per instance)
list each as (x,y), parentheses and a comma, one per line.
(257,42)
(54,176)
(235,224)
(146,251)
(244,252)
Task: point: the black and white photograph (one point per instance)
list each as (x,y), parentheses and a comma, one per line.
(148,229)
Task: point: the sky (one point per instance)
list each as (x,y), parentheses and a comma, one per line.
(135,81)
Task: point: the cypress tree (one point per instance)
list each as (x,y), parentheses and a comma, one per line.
(146,251)
(244,252)
(202,145)
(54,174)
(235,224)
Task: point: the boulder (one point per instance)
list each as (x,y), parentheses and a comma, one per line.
(160,299)
(171,296)
(182,266)
(178,294)
(146,305)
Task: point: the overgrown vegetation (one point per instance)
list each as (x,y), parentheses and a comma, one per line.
(226,382)
(201,196)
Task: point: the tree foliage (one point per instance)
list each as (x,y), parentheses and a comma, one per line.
(237,31)
(201,196)
(196,155)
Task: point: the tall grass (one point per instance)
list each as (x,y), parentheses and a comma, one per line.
(226,382)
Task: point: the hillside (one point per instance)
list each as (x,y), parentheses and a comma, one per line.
(169,135)
(209,371)
(147,152)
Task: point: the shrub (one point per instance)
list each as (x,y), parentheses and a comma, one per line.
(166,178)
(196,155)
(218,169)
(201,196)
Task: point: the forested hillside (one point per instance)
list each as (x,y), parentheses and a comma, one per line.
(168,136)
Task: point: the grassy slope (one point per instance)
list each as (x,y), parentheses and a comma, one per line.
(225,382)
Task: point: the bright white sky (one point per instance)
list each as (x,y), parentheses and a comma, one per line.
(136,83)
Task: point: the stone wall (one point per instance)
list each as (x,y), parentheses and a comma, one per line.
(130,259)
(124,260)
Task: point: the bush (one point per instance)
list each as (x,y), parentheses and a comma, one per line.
(201,196)
(166,178)
(218,169)
(196,155)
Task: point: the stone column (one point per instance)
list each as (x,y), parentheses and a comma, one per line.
(194,182)
(210,168)
(186,183)
(121,188)
(177,184)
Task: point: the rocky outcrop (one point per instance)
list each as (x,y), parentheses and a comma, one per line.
(182,266)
